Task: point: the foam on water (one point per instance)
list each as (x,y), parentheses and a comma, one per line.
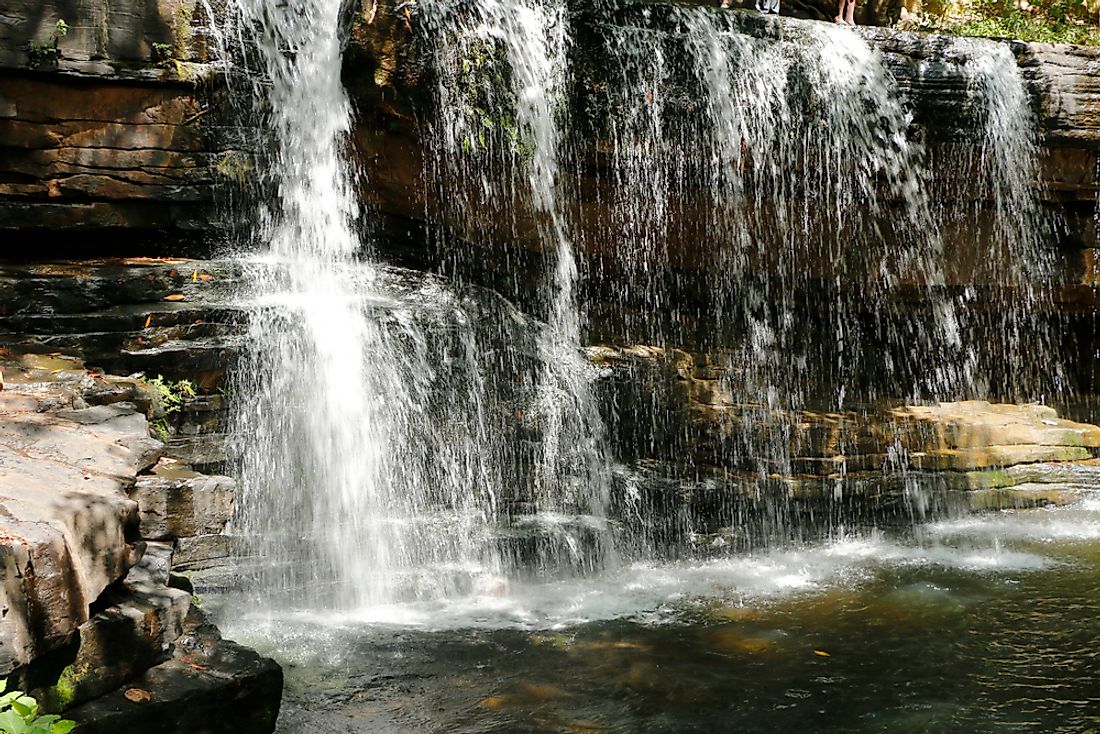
(663,593)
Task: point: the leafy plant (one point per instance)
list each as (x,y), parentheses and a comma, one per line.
(170,397)
(39,52)
(1048,21)
(482,89)
(19,715)
(163,54)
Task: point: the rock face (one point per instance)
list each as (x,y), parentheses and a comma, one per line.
(108,156)
(390,73)
(173,316)
(116,129)
(102,34)
(87,550)
(208,686)
(68,528)
(709,466)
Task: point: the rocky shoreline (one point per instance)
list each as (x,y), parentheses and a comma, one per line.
(96,623)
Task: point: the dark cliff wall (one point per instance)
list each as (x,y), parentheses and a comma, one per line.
(389,71)
(118,127)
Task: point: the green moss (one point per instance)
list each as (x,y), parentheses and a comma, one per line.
(235,167)
(62,694)
(988,479)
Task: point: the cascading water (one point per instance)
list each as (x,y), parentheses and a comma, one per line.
(520,46)
(1000,176)
(407,439)
(369,416)
(814,213)
(386,457)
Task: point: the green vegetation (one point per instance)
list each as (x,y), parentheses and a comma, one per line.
(163,54)
(169,55)
(40,52)
(19,715)
(170,397)
(484,91)
(1049,21)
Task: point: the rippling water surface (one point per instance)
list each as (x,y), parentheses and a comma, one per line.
(989,623)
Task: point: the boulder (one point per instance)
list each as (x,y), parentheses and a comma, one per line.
(185,507)
(138,622)
(208,686)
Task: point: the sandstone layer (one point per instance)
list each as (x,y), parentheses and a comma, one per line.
(90,517)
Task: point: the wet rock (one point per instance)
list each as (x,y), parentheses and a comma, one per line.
(979,435)
(209,685)
(1024,496)
(181,508)
(117,315)
(134,630)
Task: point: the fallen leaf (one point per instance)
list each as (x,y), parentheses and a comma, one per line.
(176,297)
(195,277)
(822,653)
(137,695)
(206,277)
(148,320)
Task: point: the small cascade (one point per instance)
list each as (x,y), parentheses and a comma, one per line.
(501,105)
(1011,344)
(795,185)
(760,151)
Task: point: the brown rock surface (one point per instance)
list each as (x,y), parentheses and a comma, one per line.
(115,154)
(183,507)
(66,524)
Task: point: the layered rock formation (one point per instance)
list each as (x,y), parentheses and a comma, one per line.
(687,443)
(391,72)
(87,542)
(115,125)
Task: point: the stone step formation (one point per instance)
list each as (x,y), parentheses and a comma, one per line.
(93,515)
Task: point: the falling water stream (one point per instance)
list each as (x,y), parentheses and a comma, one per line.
(368,432)
(434,514)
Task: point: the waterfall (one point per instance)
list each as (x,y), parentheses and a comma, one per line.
(1001,177)
(501,97)
(403,438)
(814,215)
(370,422)
(791,176)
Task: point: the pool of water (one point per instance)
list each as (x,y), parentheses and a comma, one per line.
(988,623)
